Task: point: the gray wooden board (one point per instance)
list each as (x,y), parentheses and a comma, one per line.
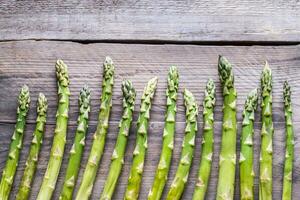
(170,20)
(32,63)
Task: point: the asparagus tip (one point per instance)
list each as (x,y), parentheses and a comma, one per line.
(266,64)
(108,68)
(267,69)
(86,88)
(128,91)
(189,97)
(253,94)
(153,80)
(210,86)
(186,92)
(108,60)
(152,84)
(85,91)
(266,79)
(42,104)
(210,92)
(190,104)
(252,99)
(287,93)
(225,72)
(173,72)
(24,98)
(62,73)
(85,96)
(24,89)
(173,79)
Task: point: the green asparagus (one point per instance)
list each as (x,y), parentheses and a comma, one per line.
(59,140)
(15,145)
(31,163)
(162,170)
(120,146)
(227,160)
(188,144)
(246,155)
(77,148)
(90,172)
(207,141)
(135,177)
(289,152)
(267,130)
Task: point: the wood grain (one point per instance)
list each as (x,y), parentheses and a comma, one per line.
(169,20)
(32,63)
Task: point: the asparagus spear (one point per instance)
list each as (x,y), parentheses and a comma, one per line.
(90,172)
(265,184)
(77,148)
(15,145)
(227,161)
(59,140)
(120,146)
(135,177)
(31,163)
(246,155)
(188,144)
(162,170)
(207,141)
(289,152)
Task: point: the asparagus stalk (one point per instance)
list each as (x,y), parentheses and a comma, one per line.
(227,160)
(207,141)
(135,177)
(59,140)
(265,184)
(15,145)
(31,163)
(120,146)
(246,155)
(188,144)
(289,152)
(162,170)
(77,148)
(90,172)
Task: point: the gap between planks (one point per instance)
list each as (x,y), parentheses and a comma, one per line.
(163,42)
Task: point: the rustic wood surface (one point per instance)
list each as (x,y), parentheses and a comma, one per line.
(169,20)
(32,63)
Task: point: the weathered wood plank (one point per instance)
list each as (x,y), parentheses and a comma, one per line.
(170,20)
(32,62)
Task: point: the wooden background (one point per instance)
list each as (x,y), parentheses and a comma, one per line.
(144,39)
